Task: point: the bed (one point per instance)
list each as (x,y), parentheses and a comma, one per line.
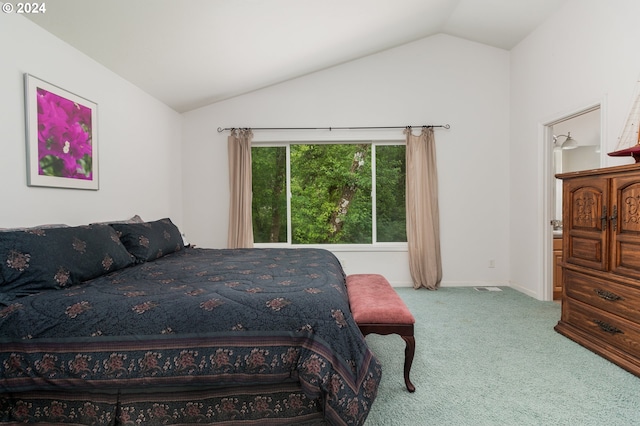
(123,324)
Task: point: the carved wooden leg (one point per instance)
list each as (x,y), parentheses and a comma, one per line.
(409,352)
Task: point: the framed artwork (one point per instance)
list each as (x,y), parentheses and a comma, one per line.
(62,137)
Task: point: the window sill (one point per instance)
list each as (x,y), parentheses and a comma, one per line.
(357,248)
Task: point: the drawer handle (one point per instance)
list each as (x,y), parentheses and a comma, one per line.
(607,327)
(607,295)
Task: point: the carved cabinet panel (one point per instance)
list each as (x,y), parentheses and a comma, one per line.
(625,232)
(585,205)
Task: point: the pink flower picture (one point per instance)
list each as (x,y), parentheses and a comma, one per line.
(62,144)
(64,137)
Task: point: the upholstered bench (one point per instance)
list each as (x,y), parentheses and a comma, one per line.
(377,308)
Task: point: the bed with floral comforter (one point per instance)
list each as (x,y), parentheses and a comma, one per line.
(155,332)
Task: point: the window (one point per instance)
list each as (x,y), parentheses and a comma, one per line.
(340,193)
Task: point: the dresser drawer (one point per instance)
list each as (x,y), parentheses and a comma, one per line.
(608,328)
(619,299)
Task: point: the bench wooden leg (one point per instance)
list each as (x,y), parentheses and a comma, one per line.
(406,332)
(409,352)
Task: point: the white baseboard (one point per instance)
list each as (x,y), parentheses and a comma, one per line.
(457,284)
(524,290)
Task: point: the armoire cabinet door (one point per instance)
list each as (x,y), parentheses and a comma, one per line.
(625,226)
(585,215)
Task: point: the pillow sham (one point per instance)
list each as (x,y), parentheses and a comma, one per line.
(37,259)
(46,226)
(134,219)
(150,240)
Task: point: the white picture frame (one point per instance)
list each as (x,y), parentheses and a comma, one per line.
(61,137)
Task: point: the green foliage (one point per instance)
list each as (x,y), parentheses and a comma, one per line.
(390,193)
(86,164)
(320,175)
(269,207)
(51,165)
(330,193)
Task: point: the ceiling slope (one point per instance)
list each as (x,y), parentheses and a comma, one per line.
(191,53)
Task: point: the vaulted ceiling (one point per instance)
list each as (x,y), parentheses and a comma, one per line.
(190,53)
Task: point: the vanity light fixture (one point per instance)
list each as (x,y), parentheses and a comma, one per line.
(569,142)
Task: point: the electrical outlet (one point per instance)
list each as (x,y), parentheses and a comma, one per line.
(492,263)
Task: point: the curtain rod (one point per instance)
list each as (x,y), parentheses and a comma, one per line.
(220,129)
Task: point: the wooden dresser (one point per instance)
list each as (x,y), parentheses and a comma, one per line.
(601,262)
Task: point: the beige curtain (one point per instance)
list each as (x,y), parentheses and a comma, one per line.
(240,234)
(423,220)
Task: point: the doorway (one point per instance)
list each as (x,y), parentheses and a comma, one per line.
(581,134)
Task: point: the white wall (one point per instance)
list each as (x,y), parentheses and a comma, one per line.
(437,80)
(490,162)
(139,137)
(584,54)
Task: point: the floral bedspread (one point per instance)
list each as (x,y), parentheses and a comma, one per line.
(197,317)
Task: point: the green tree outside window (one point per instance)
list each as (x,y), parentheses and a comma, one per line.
(331,193)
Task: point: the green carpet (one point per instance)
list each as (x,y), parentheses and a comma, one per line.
(493,358)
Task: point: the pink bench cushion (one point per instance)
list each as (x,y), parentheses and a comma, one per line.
(374,301)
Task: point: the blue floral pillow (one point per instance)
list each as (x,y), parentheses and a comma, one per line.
(37,259)
(150,240)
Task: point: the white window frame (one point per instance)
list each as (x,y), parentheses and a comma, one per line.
(373,246)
